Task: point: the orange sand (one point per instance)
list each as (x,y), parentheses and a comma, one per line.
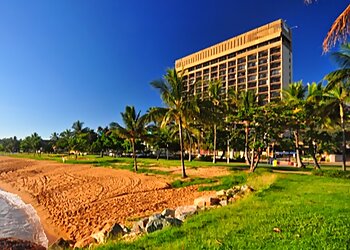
(74,200)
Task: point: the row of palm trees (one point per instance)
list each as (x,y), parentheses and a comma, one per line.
(311,113)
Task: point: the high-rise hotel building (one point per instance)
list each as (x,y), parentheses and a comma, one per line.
(258,60)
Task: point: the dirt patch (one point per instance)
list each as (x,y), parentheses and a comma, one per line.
(74,200)
(205,172)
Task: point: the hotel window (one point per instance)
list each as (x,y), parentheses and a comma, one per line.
(241,60)
(252,78)
(251,84)
(241,67)
(231,63)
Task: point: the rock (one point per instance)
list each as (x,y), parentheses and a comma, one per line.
(230,192)
(174,221)
(206,201)
(168,212)
(109,231)
(140,226)
(86,242)
(100,236)
(223,203)
(246,189)
(61,244)
(159,222)
(221,193)
(231,200)
(183,212)
(17,244)
(156,224)
(237,188)
(115,231)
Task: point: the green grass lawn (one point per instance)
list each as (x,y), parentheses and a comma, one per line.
(312,212)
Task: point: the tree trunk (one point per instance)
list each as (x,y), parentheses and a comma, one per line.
(297,149)
(228,152)
(158,154)
(101,154)
(190,151)
(182,150)
(255,162)
(313,155)
(343,134)
(199,145)
(214,155)
(246,145)
(134,155)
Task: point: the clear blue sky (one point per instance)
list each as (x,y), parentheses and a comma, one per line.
(62,61)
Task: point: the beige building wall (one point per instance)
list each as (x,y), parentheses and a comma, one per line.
(258,60)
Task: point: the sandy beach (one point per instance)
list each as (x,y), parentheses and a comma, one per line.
(72,201)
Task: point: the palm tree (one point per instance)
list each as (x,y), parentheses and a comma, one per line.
(78,127)
(339,30)
(135,128)
(178,105)
(342,58)
(247,103)
(338,87)
(314,117)
(336,99)
(294,98)
(215,98)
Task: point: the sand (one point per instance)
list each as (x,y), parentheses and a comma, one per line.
(72,201)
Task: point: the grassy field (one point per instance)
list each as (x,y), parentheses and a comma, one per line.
(311,209)
(312,212)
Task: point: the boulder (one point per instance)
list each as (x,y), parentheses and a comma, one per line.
(221,193)
(168,212)
(247,189)
(140,226)
(14,244)
(183,212)
(159,222)
(230,192)
(61,244)
(115,231)
(223,203)
(206,201)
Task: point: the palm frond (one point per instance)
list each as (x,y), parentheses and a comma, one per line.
(339,30)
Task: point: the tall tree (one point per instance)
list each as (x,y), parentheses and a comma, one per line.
(215,91)
(338,97)
(247,105)
(338,88)
(314,121)
(178,104)
(294,99)
(134,128)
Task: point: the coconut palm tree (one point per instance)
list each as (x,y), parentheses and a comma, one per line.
(246,105)
(134,129)
(339,30)
(337,98)
(314,121)
(178,105)
(215,90)
(294,98)
(342,58)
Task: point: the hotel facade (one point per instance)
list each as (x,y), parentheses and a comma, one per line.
(259,60)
